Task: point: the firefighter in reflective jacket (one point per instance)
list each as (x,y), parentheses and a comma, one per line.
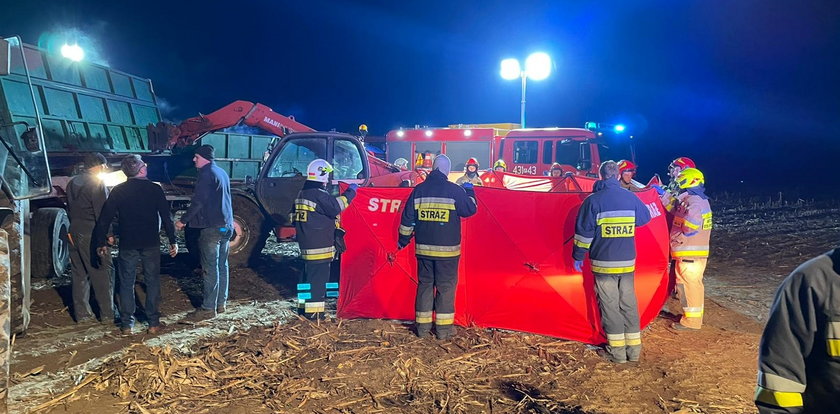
(690,233)
(668,194)
(470,173)
(500,165)
(799,355)
(433,216)
(606,227)
(315,217)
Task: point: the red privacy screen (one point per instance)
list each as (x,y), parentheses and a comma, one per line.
(516,268)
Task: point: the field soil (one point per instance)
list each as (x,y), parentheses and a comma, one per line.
(260,358)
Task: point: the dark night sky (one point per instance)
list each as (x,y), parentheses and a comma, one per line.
(748,88)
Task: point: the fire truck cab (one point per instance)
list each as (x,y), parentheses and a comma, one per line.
(533,151)
(529,151)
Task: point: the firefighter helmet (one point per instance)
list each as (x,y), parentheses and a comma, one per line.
(625,165)
(443,164)
(472,161)
(319,170)
(683,162)
(690,178)
(556,166)
(402,163)
(500,164)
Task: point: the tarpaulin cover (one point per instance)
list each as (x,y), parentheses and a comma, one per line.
(515,271)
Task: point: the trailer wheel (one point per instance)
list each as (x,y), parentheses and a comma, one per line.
(251,232)
(50,243)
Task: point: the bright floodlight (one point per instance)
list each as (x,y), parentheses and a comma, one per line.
(400,133)
(538,66)
(467,133)
(72,52)
(619,128)
(510,69)
(428,132)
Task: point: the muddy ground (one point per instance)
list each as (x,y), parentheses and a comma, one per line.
(259,357)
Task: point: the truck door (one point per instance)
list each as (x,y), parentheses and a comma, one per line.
(284,173)
(524,154)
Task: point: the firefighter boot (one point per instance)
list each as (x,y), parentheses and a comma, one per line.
(444,332)
(423,330)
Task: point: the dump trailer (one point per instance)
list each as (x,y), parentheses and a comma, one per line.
(24,179)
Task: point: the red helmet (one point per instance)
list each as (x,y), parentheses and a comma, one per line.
(556,166)
(625,165)
(472,161)
(683,163)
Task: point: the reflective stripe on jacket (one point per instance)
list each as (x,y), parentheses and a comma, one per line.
(692,225)
(433,215)
(606,227)
(315,217)
(799,355)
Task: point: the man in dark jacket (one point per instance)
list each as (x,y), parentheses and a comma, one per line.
(211,212)
(798,370)
(606,228)
(86,195)
(315,217)
(140,206)
(432,215)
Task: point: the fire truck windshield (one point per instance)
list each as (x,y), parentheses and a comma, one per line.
(567,152)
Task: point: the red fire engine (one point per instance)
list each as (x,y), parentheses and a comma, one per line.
(529,151)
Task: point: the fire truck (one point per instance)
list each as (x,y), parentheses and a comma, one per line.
(530,151)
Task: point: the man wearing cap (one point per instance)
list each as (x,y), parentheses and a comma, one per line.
(139,206)
(211,212)
(86,194)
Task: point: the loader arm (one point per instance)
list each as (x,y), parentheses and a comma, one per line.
(166,136)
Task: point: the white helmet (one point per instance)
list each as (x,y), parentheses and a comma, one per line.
(443,164)
(401,163)
(319,170)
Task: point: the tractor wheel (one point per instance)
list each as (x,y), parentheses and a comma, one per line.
(50,243)
(251,229)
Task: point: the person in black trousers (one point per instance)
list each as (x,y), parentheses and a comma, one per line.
(140,206)
(86,195)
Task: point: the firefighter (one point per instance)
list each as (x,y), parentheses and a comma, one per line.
(606,227)
(315,218)
(432,215)
(626,173)
(556,170)
(800,347)
(470,173)
(500,166)
(669,194)
(690,233)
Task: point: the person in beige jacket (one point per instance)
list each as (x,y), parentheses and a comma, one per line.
(690,234)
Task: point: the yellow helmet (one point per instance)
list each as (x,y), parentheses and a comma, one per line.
(690,178)
(363,128)
(500,163)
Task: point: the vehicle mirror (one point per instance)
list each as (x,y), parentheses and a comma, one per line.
(31,140)
(5,57)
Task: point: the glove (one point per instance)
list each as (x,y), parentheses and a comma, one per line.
(659,189)
(401,244)
(467,186)
(353,187)
(579,265)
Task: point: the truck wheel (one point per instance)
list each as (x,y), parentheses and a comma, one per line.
(251,229)
(50,244)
